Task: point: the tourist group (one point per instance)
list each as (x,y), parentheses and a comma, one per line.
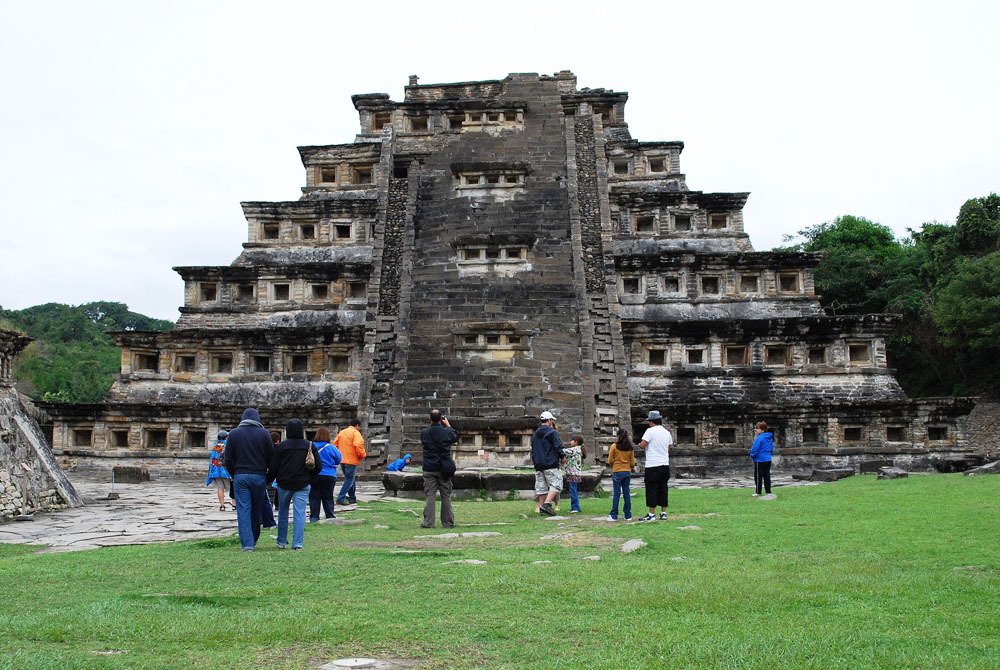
(302,470)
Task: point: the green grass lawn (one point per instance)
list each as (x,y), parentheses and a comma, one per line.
(856,574)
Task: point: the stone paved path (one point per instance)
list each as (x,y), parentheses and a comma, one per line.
(169,509)
(159,511)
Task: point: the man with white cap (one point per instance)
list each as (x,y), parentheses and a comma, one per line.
(546,453)
(656,441)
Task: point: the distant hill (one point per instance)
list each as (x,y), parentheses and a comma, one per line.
(72,358)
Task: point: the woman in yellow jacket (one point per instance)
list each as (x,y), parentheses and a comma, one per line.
(621,458)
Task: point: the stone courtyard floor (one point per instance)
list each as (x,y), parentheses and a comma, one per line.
(166,510)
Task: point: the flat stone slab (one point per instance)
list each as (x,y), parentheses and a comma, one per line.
(342,522)
(988,469)
(450,536)
(688,527)
(958,462)
(591,558)
(469,561)
(768,496)
(892,473)
(872,467)
(633,545)
(540,562)
(832,474)
(361,663)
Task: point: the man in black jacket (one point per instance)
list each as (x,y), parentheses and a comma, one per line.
(437,439)
(248,455)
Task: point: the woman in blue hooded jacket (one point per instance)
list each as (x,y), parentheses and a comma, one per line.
(760,453)
(326,481)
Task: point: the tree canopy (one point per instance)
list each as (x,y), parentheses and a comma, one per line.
(73,359)
(944,280)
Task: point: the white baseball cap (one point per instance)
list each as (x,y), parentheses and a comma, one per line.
(546,415)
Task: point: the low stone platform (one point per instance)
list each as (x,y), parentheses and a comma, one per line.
(497,483)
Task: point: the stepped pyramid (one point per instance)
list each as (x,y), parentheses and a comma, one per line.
(494,249)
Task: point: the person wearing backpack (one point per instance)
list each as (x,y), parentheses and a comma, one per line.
(321,488)
(293,465)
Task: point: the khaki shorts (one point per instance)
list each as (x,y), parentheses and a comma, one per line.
(220,483)
(548,480)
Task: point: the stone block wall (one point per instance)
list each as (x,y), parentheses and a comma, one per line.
(30,479)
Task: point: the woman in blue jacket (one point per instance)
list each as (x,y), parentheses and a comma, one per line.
(763,445)
(324,482)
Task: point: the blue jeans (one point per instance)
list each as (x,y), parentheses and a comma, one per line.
(251,497)
(574,496)
(298,499)
(348,489)
(267,512)
(621,481)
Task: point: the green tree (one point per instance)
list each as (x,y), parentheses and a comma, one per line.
(857,254)
(73,359)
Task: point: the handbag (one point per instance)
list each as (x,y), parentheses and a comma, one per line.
(448,467)
(310,459)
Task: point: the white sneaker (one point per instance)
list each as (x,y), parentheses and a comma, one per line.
(754,495)
(610,518)
(628,518)
(663,516)
(648,517)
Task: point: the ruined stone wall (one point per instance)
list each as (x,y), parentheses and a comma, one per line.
(984,426)
(30,480)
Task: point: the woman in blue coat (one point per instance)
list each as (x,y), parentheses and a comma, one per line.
(323,484)
(760,453)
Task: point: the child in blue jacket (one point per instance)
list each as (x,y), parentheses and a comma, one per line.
(760,453)
(400,463)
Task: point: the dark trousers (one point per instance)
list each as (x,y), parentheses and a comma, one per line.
(322,493)
(656,479)
(434,482)
(762,475)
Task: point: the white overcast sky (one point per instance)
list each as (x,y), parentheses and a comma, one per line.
(131,131)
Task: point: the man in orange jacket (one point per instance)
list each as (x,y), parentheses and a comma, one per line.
(352,447)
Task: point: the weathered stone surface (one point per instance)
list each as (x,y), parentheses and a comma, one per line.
(505,481)
(988,469)
(688,527)
(689,471)
(127,474)
(465,479)
(591,558)
(30,478)
(832,474)
(873,466)
(891,473)
(767,496)
(633,545)
(469,561)
(958,462)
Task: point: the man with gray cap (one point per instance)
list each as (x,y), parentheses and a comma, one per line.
(656,441)
(546,453)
